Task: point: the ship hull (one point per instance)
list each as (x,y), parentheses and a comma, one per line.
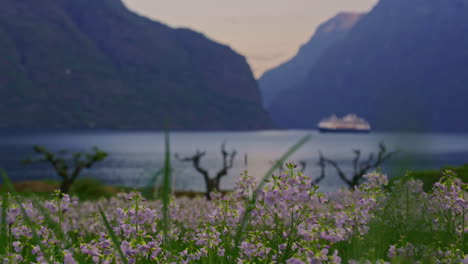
(328,130)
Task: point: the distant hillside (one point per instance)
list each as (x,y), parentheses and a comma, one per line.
(74,64)
(404,66)
(293,72)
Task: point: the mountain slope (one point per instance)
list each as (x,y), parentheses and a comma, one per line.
(403,66)
(293,72)
(95,64)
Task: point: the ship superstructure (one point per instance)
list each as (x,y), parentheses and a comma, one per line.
(349,123)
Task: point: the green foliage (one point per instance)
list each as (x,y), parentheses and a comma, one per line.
(89,189)
(429,177)
(51,181)
(409,220)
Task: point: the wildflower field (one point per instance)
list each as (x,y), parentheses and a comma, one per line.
(287,221)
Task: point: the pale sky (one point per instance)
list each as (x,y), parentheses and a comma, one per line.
(266,32)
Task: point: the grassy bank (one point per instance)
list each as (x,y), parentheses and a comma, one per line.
(89,189)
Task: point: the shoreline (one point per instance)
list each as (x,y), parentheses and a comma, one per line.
(47,186)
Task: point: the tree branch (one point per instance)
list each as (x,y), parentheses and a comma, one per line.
(228,162)
(340,172)
(303,166)
(357,152)
(195,159)
(360,168)
(322,164)
(60,166)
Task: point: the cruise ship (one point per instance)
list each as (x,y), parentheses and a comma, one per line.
(349,123)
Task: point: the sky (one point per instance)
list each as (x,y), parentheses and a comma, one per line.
(266,32)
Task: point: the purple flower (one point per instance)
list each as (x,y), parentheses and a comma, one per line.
(294,261)
(17,246)
(68,258)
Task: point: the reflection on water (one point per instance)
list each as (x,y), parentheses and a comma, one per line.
(134,156)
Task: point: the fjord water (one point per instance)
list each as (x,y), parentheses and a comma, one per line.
(135,156)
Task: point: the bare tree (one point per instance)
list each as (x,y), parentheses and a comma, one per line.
(360,167)
(212,184)
(68,171)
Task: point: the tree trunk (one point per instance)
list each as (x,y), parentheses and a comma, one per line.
(211,186)
(65,187)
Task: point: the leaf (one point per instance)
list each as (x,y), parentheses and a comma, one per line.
(39,149)
(114,239)
(148,190)
(166,188)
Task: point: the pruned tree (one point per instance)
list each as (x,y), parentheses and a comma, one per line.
(68,169)
(211,183)
(360,167)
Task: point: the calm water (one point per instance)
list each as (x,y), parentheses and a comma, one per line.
(135,156)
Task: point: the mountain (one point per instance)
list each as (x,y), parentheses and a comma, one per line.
(293,72)
(76,64)
(404,66)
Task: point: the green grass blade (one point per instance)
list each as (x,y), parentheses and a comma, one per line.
(35,239)
(166,187)
(114,239)
(4,228)
(251,202)
(7,182)
(150,189)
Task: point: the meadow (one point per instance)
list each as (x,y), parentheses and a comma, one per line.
(282,218)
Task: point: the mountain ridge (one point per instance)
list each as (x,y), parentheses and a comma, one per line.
(294,71)
(94,64)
